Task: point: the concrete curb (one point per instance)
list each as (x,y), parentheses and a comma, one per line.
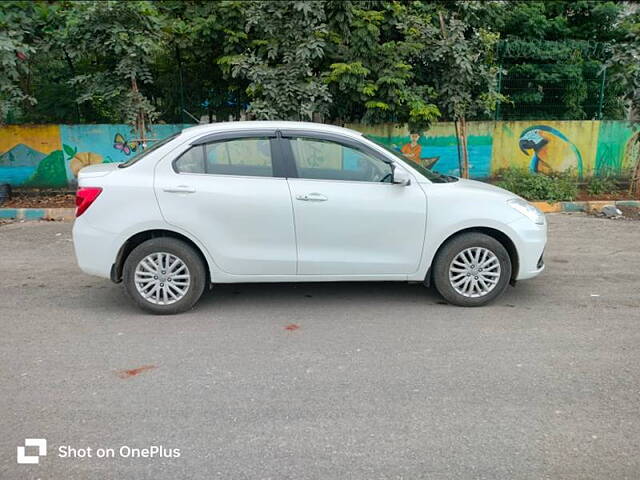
(63,214)
(595,205)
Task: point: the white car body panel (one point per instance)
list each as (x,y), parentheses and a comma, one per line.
(344,235)
(252,229)
(245,222)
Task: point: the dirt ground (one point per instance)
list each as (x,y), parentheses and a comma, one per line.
(41,199)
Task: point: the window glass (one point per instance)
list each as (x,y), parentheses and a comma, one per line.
(430,174)
(191,161)
(327,160)
(249,157)
(243,156)
(148,150)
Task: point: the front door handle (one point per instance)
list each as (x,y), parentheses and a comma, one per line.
(180,189)
(312,197)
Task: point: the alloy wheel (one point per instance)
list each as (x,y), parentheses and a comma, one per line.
(162,278)
(474,272)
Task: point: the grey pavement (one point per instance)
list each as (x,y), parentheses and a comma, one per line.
(380,380)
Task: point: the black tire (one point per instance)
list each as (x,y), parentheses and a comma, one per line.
(450,251)
(179,249)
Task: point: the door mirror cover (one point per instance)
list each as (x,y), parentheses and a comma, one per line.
(401,177)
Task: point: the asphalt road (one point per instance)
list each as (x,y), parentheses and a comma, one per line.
(379,381)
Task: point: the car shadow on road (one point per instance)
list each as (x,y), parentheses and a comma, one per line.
(365,293)
(256,296)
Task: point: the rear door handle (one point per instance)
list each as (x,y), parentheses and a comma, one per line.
(180,189)
(312,197)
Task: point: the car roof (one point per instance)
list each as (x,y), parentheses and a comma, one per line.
(283,125)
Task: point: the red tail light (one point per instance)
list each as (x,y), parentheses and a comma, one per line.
(85,196)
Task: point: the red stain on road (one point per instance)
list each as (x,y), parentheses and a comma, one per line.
(292,326)
(135,371)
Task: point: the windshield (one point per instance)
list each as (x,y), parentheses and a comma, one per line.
(431,175)
(147,151)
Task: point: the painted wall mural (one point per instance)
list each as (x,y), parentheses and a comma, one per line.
(584,147)
(52,155)
(437,148)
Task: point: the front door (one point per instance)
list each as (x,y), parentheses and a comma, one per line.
(349,218)
(227,193)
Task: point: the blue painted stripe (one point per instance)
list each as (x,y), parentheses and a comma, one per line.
(628,203)
(33,213)
(574,206)
(8,212)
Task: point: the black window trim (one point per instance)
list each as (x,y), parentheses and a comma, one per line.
(285,136)
(279,164)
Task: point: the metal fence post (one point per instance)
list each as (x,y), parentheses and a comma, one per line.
(601,99)
(497,115)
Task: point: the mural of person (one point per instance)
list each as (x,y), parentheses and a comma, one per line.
(413,149)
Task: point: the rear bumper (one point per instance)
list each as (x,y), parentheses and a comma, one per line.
(530,240)
(94,249)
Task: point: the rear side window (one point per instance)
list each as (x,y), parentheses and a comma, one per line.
(249,157)
(148,150)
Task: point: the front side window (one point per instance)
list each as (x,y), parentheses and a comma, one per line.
(326,160)
(250,157)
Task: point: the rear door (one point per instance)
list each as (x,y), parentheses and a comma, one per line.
(350,219)
(229,192)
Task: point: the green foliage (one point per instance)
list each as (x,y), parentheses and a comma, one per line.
(281,61)
(458,59)
(553,54)
(601,185)
(626,67)
(536,187)
(16,30)
(372,79)
(367,61)
(121,39)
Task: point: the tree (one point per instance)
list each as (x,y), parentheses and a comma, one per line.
(552,54)
(371,75)
(287,44)
(16,48)
(121,40)
(187,75)
(459,60)
(625,64)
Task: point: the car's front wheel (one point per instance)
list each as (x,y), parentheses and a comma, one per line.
(164,276)
(471,269)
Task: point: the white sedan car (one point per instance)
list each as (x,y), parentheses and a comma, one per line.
(295,202)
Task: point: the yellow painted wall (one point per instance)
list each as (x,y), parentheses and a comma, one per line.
(43,138)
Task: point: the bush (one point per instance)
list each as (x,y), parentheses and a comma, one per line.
(537,187)
(601,185)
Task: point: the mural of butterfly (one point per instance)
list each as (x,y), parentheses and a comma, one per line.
(125,146)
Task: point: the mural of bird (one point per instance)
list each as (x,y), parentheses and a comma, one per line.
(552,150)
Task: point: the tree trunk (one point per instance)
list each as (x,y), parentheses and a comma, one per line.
(463,150)
(457,126)
(72,70)
(140,126)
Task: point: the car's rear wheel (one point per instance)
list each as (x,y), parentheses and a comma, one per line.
(164,276)
(471,269)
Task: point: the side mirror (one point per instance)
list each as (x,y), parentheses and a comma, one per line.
(400,177)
